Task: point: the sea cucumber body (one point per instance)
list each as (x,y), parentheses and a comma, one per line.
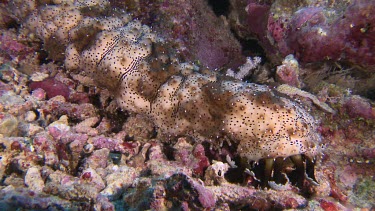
(181,99)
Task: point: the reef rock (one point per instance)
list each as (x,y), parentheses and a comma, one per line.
(313,31)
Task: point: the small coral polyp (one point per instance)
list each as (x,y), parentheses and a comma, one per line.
(181,99)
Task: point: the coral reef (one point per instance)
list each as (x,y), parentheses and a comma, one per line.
(114,118)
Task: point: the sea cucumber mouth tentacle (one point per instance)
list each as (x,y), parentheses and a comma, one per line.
(295,169)
(132,62)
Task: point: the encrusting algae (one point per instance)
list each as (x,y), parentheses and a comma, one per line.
(139,69)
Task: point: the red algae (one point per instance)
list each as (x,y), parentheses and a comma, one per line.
(52,88)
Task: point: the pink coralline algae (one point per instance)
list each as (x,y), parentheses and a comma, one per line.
(357,106)
(369,153)
(52,87)
(191,156)
(186,190)
(39,94)
(57,85)
(4,88)
(115,145)
(58,106)
(348,37)
(11,46)
(313,33)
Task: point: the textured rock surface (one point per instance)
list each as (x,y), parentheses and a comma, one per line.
(199,35)
(311,30)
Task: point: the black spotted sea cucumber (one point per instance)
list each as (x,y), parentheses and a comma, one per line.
(125,57)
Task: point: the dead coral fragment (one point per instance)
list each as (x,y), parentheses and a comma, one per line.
(291,91)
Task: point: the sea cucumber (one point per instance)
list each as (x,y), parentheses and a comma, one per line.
(146,77)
